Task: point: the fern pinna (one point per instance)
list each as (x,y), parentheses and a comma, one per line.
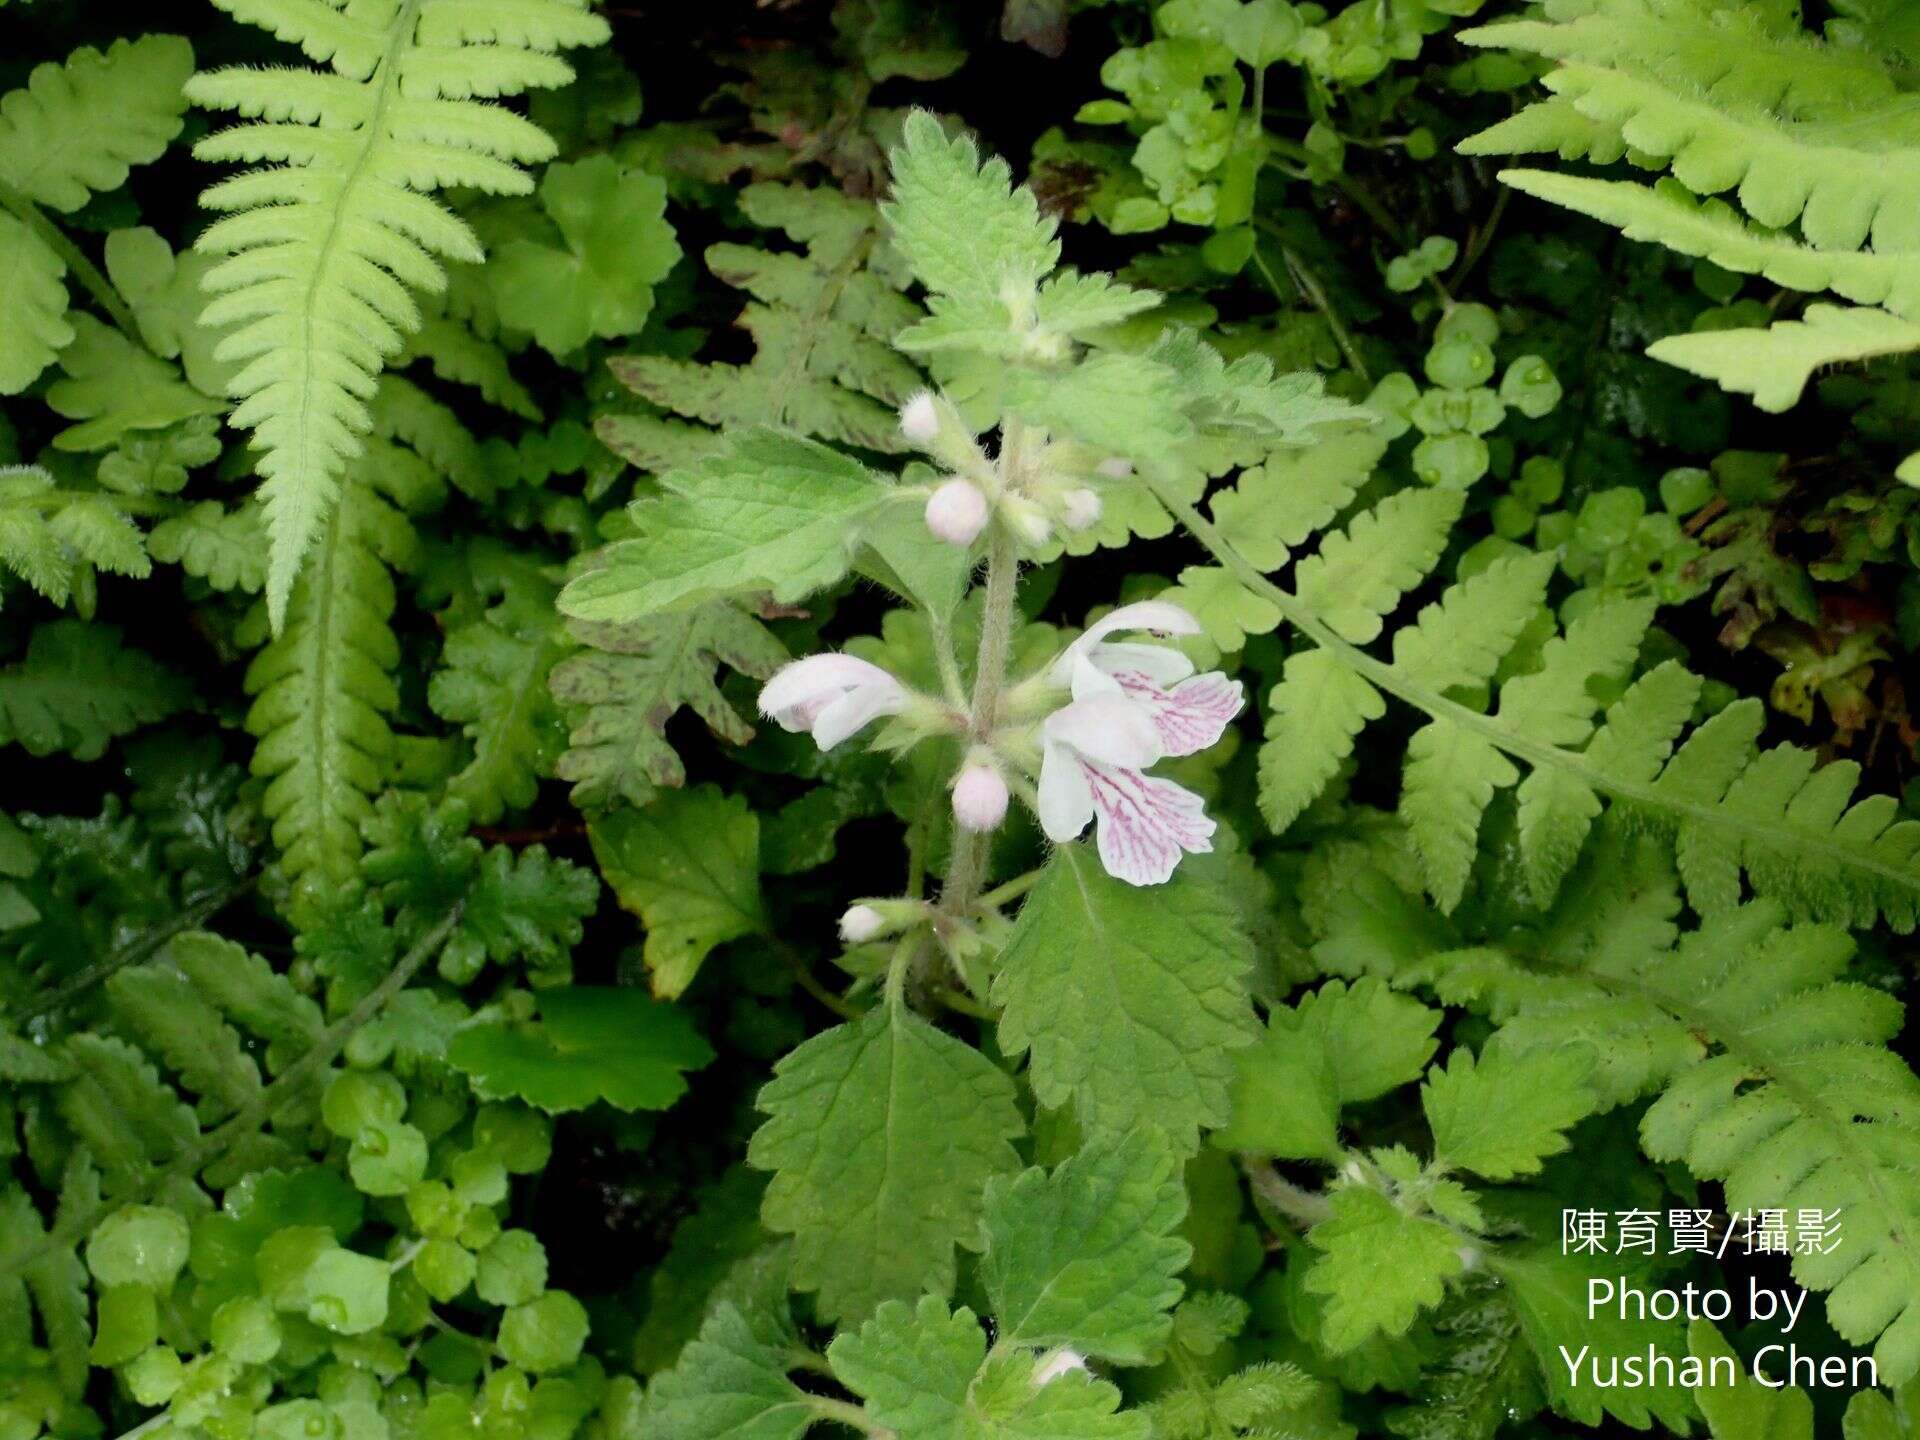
(1811,138)
(324,244)
(1576,716)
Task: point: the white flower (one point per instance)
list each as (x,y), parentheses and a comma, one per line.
(957,512)
(1080,509)
(860,924)
(980,798)
(920,418)
(1188,710)
(1056,1363)
(1115,469)
(1132,705)
(832,695)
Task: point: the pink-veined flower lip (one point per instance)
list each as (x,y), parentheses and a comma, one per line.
(1132,705)
(831,695)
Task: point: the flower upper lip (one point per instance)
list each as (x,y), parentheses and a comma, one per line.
(1162,664)
(832,695)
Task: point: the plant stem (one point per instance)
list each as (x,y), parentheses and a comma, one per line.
(1305,1208)
(75,259)
(1308,284)
(1012,890)
(216,1142)
(191,918)
(1757,831)
(968,866)
(854,1417)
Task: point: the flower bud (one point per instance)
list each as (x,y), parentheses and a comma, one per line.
(920,418)
(1080,509)
(979,798)
(860,924)
(957,512)
(1116,468)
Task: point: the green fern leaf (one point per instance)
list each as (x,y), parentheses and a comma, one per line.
(1451,777)
(492,681)
(1557,807)
(225,548)
(323,690)
(79,126)
(33,306)
(634,678)
(1773,365)
(1316,713)
(319,306)
(161,1009)
(77,689)
(1272,509)
(1360,574)
(1770,1065)
(1668,214)
(112,388)
(1459,641)
(823,321)
(120,1109)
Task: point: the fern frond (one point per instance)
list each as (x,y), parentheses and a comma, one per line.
(78,688)
(1667,214)
(1798,131)
(1771,822)
(1770,1067)
(324,240)
(823,320)
(1773,365)
(80,125)
(33,306)
(323,689)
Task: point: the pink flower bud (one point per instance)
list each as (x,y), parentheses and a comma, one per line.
(1080,509)
(860,924)
(979,798)
(920,419)
(957,512)
(1116,468)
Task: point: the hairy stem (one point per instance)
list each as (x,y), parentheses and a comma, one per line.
(967,868)
(75,259)
(844,1412)
(1304,1208)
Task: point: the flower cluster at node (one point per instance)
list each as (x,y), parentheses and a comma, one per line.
(1052,492)
(1123,707)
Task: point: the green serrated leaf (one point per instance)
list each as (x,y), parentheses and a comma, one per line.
(771,511)
(1129,999)
(880,1134)
(1087,1257)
